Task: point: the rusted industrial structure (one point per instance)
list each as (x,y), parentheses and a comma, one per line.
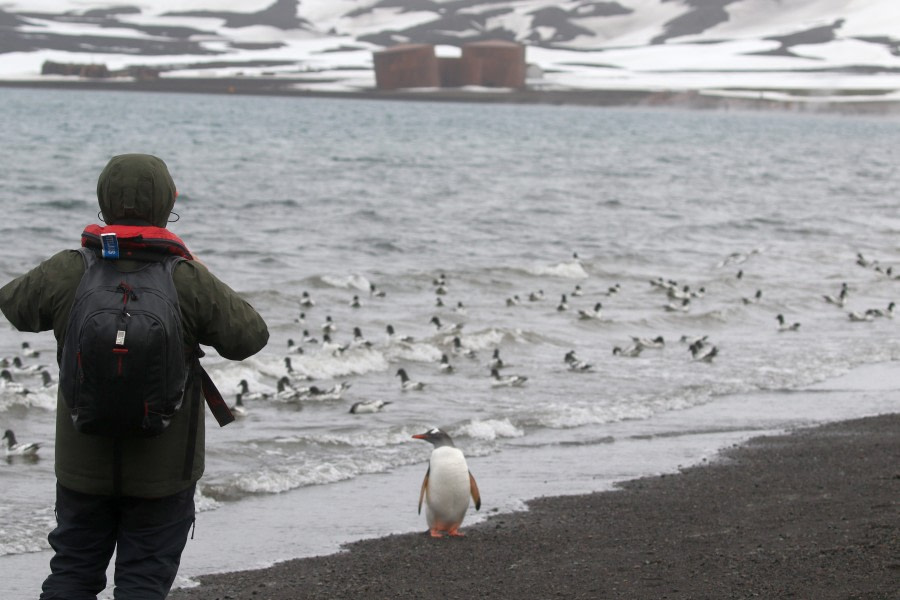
(406,66)
(499,63)
(494,63)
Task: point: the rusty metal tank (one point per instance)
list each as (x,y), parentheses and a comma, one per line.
(497,63)
(406,66)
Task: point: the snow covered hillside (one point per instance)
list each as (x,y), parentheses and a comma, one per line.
(835,48)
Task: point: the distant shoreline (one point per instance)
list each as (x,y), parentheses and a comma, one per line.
(602,98)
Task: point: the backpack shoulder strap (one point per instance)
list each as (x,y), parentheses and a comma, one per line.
(88,256)
(171,261)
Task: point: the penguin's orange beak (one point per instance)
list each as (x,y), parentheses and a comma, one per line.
(419,436)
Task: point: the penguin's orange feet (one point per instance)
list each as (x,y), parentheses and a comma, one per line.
(455,532)
(436,533)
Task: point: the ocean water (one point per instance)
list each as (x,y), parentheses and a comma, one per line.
(281,196)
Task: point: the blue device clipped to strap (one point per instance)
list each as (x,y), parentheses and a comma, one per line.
(110,245)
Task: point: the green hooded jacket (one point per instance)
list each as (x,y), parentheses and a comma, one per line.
(135,189)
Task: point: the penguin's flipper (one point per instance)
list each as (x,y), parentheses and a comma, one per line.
(424,486)
(473,488)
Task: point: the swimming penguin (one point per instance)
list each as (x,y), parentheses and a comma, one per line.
(239,410)
(407,384)
(447,486)
(785,326)
(586,313)
(368,406)
(14,448)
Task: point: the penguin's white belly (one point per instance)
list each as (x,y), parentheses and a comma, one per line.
(447,496)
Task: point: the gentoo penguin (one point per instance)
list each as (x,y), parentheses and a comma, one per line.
(576,364)
(445,365)
(239,410)
(407,384)
(754,299)
(330,347)
(20,367)
(246,394)
(13,448)
(858,316)
(447,486)
(586,313)
(657,342)
(328,326)
(461,350)
(704,353)
(496,361)
(394,337)
(877,312)
(683,307)
(692,340)
(7,383)
(284,392)
(359,341)
(785,326)
(446,327)
(631,351)
(292,375)
(863,261)
(676,294)
(507,380)
(368,406)
(838,300)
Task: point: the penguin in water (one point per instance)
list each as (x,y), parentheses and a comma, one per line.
(447,486)
(30,449)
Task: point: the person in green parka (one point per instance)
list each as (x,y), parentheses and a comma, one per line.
(147,512)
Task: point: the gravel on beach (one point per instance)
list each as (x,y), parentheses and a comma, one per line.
(811,514)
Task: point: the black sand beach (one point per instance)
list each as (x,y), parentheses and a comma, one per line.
(812,514)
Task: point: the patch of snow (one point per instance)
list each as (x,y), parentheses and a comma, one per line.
(148,6)
(80,29)
(445,51)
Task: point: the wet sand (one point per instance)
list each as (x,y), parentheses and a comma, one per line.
(812,514)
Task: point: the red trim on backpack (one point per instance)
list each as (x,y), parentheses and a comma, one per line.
(137,238)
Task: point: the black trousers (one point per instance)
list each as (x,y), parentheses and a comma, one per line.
(147,534)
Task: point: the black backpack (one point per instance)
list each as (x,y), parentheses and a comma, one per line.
(124,365)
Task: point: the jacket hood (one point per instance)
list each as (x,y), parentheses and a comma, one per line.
(136,189)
